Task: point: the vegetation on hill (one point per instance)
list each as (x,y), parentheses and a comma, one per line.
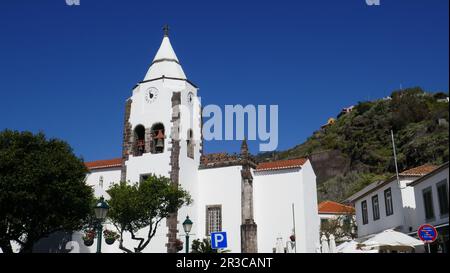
(420,124)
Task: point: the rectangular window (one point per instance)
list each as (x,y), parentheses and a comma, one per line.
(213,219)
(365,217)
(388,202)
(375,207)
(143,177)
(443,197)
(428,203)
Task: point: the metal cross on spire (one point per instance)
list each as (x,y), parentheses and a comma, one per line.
(166,30)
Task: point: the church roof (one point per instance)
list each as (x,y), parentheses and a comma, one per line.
(104,164)
(330,207)
(165,63)
(281,164)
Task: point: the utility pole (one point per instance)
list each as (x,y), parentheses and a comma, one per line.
(395,157)
(295,236)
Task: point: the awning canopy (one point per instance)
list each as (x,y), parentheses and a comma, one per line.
(352,247)
(391,240)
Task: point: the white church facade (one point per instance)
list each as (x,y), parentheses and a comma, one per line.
(256,204)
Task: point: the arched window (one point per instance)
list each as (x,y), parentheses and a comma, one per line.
(100,181)
(158,137)
(139,141)
(190,144)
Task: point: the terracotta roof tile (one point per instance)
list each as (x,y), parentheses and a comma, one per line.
(330,207)
(281,164)
(419,171)
(104,164)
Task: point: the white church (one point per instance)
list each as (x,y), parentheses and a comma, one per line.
(258,205)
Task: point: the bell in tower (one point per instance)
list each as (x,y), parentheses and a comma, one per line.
(159,148)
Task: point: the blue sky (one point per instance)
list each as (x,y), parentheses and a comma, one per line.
(67,71)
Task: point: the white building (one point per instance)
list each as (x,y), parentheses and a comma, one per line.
(389,204)
(251,202)
(329,210)
(431,195)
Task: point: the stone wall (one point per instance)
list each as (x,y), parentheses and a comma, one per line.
(172,220)
(127,139)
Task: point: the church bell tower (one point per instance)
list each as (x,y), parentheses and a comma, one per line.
(162,133)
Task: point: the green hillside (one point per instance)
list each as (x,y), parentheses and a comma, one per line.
(362,141)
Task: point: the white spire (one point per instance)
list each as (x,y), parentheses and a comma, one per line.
(165,62)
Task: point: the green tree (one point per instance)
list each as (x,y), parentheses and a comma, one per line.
(343,227)
(42,189)
(204,246)
(145,204)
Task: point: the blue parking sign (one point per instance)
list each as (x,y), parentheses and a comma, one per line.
(218,240)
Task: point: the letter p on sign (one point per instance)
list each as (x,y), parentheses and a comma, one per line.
(218,240)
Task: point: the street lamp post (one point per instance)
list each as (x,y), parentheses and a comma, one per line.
(187,226)
(100,209)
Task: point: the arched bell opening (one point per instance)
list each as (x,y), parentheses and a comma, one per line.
(190,144)
(139,141)
(158,137)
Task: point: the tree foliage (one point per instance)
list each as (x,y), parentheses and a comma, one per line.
(145,204)
(42,189)
(204,246)
(343,227)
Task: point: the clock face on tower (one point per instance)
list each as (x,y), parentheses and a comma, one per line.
(151,95)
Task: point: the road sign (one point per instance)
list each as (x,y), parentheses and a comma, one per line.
(218,240)
(427,233)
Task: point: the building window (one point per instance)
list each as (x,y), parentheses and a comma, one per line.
(388,202)
(213,219)
(100,181)
(158,138)
(442,190)
(375,207)
(365,217)
(190,144)
(139,141)
(428,203)
(143,177)
(323,222)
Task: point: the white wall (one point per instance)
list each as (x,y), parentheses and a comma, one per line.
(110,176)
(432,182)
(403,207)
(190,118)
(274,194)
(309,198)
(221,186)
